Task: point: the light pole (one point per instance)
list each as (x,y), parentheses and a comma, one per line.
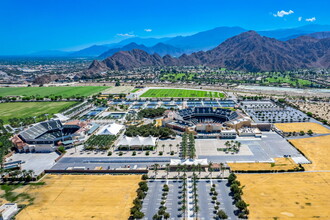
(34,117)
(46,116)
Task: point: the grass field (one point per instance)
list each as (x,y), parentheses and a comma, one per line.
(65,91)
(28,109)
(289,80)
(302,126)
(287,195)
(279,164)
(82,197)
(316,149)
(181,93)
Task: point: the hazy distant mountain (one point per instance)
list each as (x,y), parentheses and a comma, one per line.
(206,39)
(92,51)
(317,35)
(200,41)
(145,41)
(291,33)
(247,51)
(160,48)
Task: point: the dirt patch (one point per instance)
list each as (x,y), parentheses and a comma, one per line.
(302,126)
(316,149)
(287,195)
(82,197)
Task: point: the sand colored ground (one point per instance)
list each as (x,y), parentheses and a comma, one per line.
(279,164)
(302,126)
(319,108)
(287,196)
(316,149)
(118,90)
(82,197)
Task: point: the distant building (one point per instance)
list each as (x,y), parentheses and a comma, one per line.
(8,210)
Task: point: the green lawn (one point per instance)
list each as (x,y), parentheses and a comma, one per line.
(65,91)
(181,93)
(288,80)
(28,109)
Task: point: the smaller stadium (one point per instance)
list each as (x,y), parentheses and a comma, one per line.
(47,136)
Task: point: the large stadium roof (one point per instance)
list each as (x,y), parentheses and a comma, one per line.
(40,129)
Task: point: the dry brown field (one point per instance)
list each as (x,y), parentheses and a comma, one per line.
(82,197)
(302,126)
(279,164)
(316,149)
(300,196)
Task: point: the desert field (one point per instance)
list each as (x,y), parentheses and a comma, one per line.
(279,164)
(321,109)
(118,90)
(316,149)
(29,109)
(65,91)
(181,93)
(302,126)
(103,197)
(287,195)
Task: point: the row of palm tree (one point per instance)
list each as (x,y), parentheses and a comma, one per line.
(19,175)
(195,195)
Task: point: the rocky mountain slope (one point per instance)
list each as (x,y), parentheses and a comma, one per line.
(247,51)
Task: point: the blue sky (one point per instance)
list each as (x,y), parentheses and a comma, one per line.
(35,25)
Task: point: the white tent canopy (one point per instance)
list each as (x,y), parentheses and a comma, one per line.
(188,162)
(111,129)
(137,141)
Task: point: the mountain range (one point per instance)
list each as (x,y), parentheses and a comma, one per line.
(178,45)
(160,48)
(248,51)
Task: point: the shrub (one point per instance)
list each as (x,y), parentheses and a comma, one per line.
(160,153)
(109,153)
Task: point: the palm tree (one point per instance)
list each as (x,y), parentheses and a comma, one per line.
(177,148)
(199,168)
(179,169)
(156,168)
(170,147)
(210,168)
(167,170)
(163,146)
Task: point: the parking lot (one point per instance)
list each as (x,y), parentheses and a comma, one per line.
(38,162)
(173,203)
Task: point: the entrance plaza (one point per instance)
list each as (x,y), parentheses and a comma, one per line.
(264,149)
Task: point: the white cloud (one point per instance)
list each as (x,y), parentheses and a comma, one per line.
(126,35)
(283,13)
(311,19)
(300,18)
(148,30)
